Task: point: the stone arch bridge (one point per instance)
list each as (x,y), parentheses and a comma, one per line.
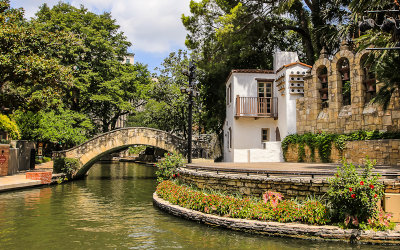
(92,150)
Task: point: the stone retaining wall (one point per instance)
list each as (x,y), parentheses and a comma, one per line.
(292,230)
(290,187)
(385,152)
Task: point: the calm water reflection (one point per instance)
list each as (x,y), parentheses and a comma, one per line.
(113,208)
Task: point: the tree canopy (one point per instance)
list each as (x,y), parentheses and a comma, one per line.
(61,73)
(166,108)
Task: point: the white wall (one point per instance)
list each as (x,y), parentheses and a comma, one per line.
(284,57)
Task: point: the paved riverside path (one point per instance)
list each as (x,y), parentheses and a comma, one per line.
(19,180)
(283,167)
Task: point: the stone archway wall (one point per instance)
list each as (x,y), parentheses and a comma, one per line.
(93,149)
(336,118)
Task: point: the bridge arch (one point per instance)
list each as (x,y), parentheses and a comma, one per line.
(92,150)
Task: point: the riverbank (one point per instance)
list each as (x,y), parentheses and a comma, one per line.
(20,181)
(290,230)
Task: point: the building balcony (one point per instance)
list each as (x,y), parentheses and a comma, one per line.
(256,107)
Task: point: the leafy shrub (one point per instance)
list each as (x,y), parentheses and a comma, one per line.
(380,223)
(287,211)
(68,166)
(9,126)
(354,194)
(46,159)
(314,212)
(137,149)
(167,169)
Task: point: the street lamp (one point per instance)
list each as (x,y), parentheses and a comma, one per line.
(191,92)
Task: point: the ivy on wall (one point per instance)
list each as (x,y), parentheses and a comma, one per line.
(324,142)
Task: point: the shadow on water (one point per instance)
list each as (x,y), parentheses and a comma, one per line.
(112,208)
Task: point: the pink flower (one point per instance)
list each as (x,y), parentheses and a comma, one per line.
(347,220)
(355,221)
(361,183)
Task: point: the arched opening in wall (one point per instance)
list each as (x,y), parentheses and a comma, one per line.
(368,80)
(322,74)
(344,72)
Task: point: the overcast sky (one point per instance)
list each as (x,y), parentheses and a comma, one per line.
(154,27)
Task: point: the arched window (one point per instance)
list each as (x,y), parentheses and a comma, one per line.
(368,78)
(344,70)
(322,74)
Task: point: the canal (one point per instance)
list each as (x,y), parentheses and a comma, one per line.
(112,208)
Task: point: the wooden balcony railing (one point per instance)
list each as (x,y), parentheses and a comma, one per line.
(257,107)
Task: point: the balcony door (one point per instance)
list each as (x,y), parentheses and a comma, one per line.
(264,100)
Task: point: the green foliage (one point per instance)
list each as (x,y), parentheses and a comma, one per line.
(9,126)
(59,126)
(315,212)
(31,74)
(68,166)
(354,194)
(243,208)
(137,149)
(167,169)
(103,86)
(167,107)
(324,141)
(324,145)
(382,62)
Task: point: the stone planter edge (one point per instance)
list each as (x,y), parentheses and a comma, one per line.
(291,230)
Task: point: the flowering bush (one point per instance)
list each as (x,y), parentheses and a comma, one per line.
(314,212)
(272,197)
(244,208)
(381,222)
(354,194)
(167,169)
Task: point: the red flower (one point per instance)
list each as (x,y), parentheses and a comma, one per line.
(353,196)
(361,183)
(350,189)
(371,186)
(375,195)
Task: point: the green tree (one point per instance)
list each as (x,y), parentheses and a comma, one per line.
(167,107)
(64,127)
(9,126)
(382,61)
(31,77)
(224,36)
(103,87)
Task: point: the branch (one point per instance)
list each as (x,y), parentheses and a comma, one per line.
(309,4)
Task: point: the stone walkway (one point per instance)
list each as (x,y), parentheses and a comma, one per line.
(19,180)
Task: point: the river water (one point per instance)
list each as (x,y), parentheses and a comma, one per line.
(112,208)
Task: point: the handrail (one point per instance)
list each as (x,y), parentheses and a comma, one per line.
(273,172)
(257,106)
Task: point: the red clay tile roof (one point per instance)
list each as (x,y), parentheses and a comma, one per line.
(291,64)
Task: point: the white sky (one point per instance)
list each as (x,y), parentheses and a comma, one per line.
(154,27)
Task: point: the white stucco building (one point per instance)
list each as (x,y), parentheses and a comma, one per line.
(261,109)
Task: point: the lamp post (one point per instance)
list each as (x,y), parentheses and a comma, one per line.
(191,92)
